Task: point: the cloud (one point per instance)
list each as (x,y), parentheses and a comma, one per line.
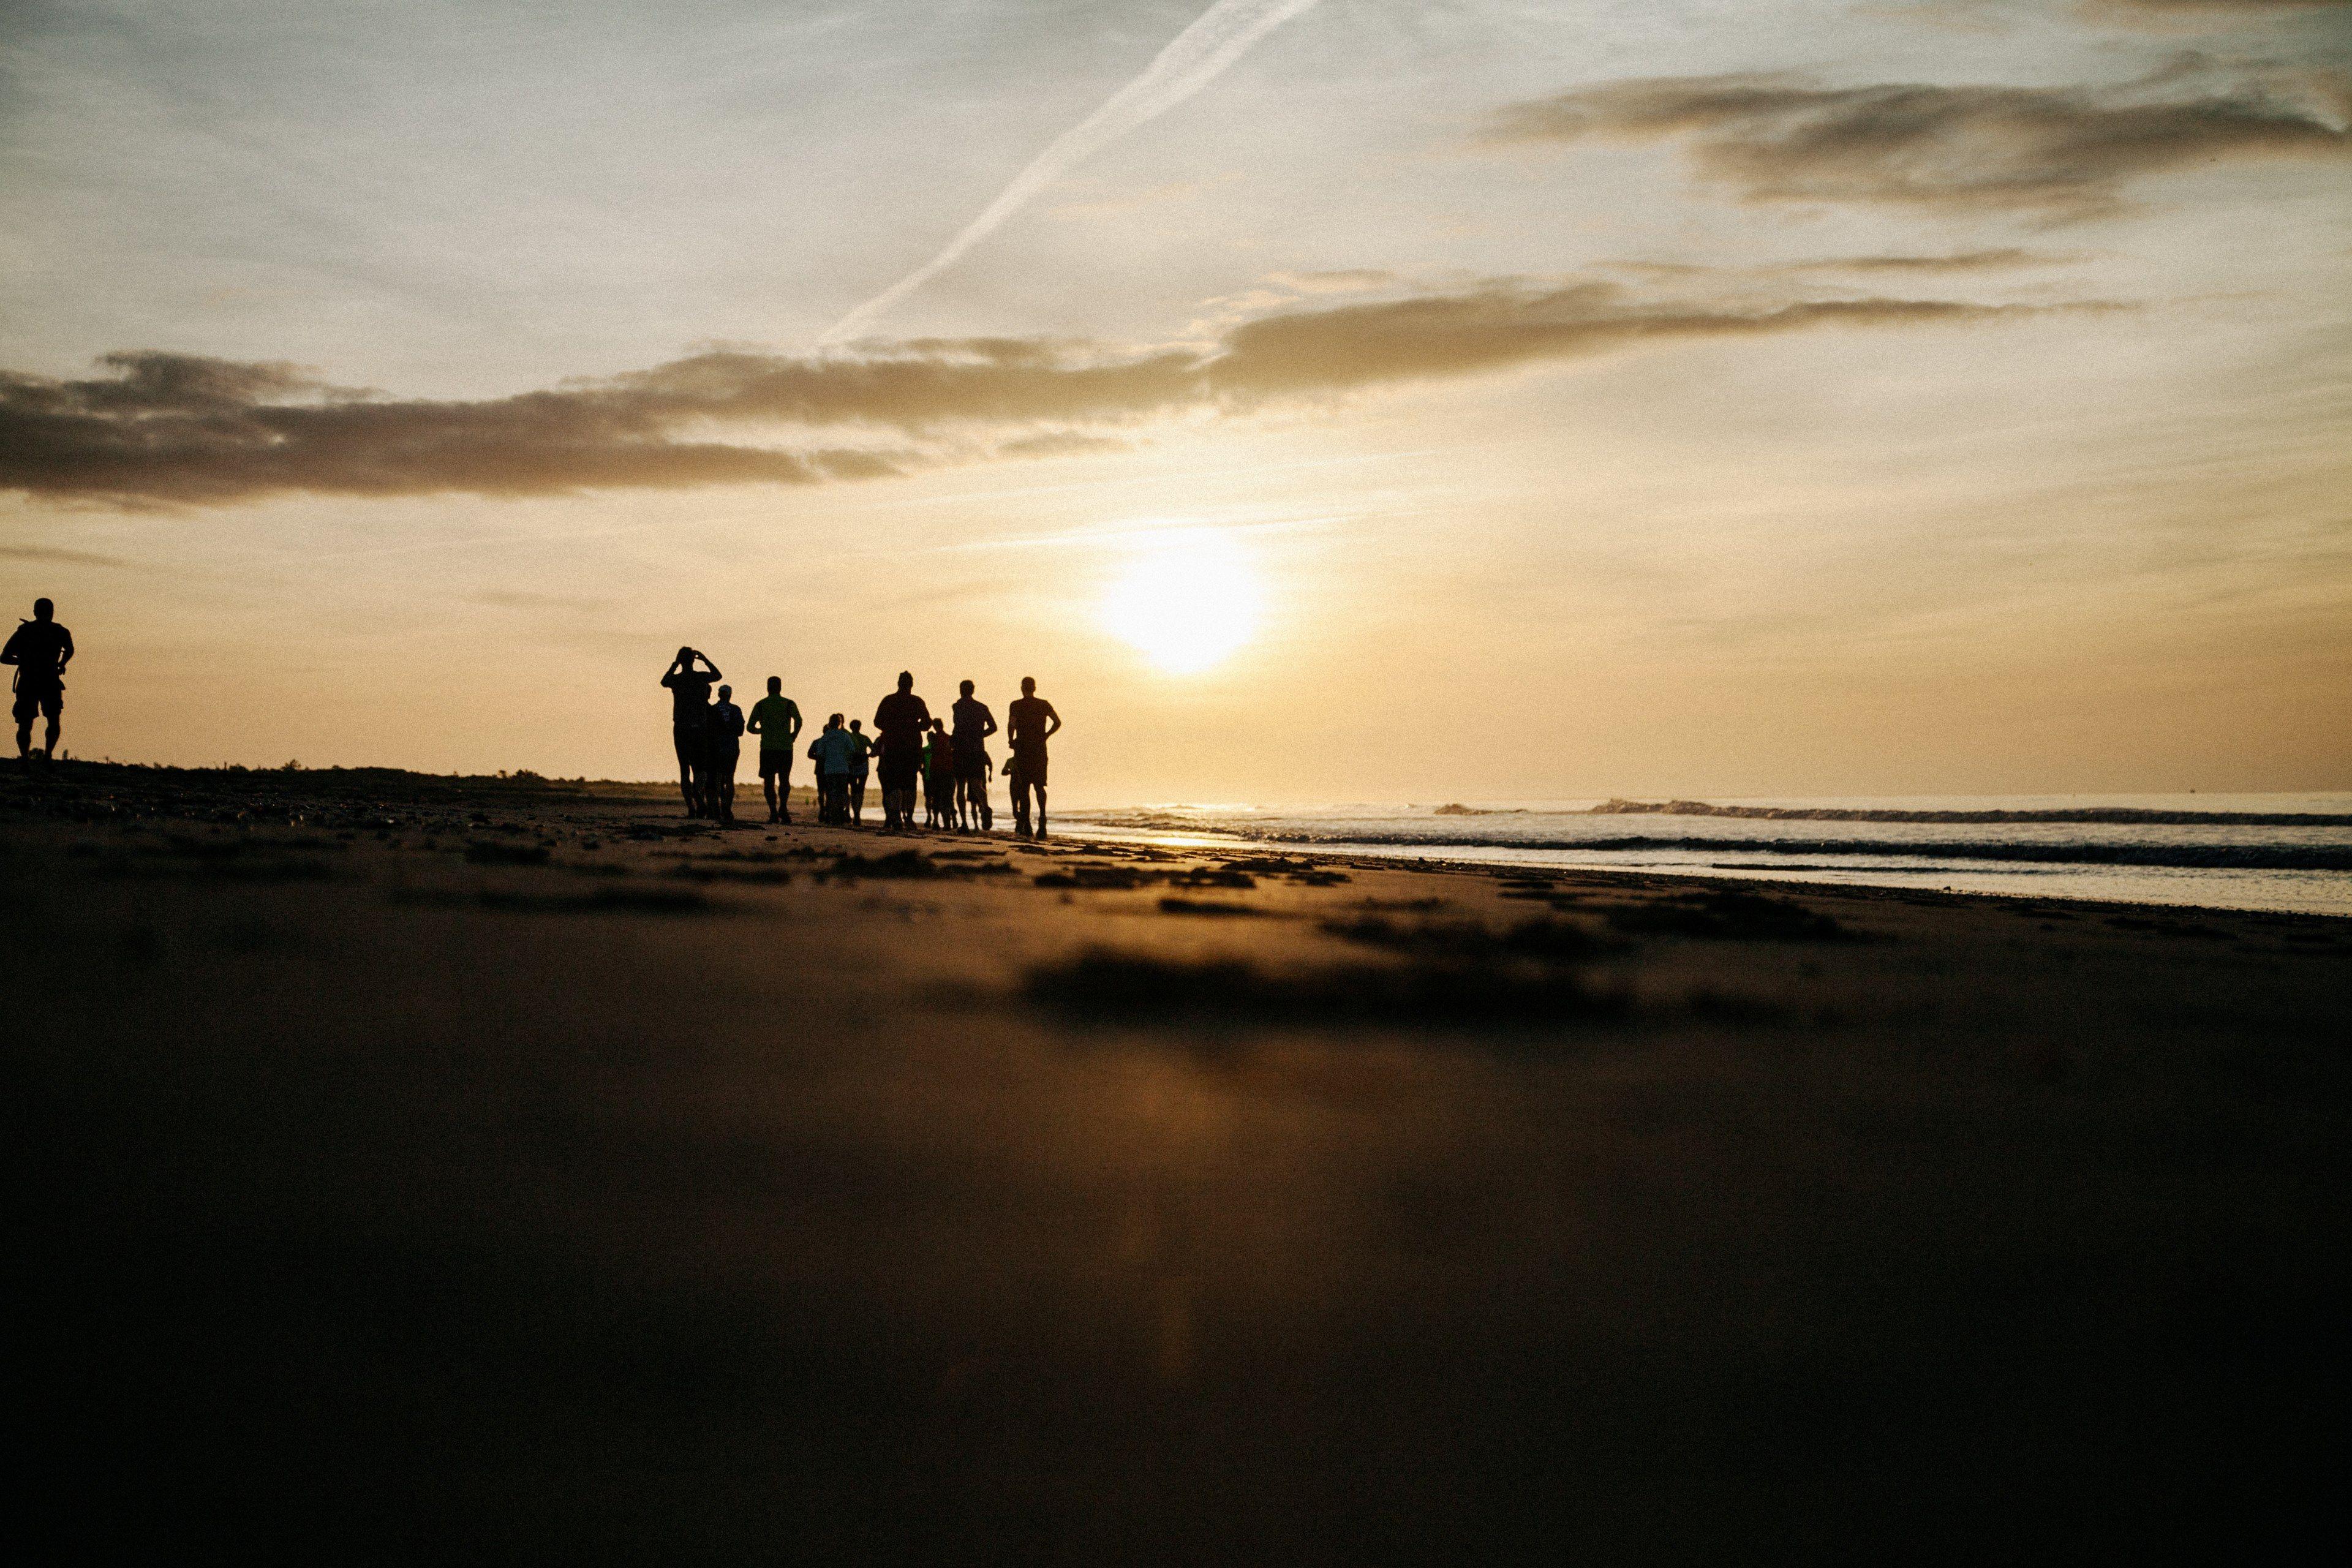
(171,429)
(1063,444)
(47,556)
(1996,260)
(177,428)
(2064,152)
(2247,7)
(2002,259)
(1509,326)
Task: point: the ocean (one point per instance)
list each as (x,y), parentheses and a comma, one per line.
(2279,852)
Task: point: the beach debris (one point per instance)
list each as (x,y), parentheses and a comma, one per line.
(1546,938)
(641,901)
(1211,877)
(1172,906)
(1290,868)
(1115,878)
(901,865)
(1727,915)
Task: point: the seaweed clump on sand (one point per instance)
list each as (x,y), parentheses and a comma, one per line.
(1114,878)
(902,866)
(1212,907)
(1723,914)
(1105,985)
(1545,939)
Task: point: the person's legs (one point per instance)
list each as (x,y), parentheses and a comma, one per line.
(857,801)
(1030,779)
(54,705)
(24,711)
(685,741)
(723,760)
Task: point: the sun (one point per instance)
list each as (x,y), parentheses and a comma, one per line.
(1186,600)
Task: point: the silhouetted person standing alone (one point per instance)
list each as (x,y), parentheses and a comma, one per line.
(41,649)
(722,730)
(689,694)
(974,725)
(1029,721)
(900,722)
(776,719)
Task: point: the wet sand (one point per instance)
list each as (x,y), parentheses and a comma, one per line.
(434,1168)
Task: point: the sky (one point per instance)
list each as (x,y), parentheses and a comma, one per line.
(1369,400)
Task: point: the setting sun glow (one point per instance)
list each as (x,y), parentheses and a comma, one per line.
(1187,601)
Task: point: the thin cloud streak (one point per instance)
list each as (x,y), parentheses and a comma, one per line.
(46,556)
(1194,59)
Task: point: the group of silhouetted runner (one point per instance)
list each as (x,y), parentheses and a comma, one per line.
(910,749)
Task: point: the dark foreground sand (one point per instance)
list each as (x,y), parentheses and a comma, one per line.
(462,1170)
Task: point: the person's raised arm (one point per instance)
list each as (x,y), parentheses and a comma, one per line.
(716,673)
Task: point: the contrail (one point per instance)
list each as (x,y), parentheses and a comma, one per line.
(1196,57)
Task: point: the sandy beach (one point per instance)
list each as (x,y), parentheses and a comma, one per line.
(494,1168)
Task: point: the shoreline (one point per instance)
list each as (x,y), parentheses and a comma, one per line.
(1768,877)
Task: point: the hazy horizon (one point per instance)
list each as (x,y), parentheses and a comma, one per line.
(1371,401)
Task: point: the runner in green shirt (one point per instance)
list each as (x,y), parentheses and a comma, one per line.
(776,719)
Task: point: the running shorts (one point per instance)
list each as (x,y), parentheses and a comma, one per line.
(46,697)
